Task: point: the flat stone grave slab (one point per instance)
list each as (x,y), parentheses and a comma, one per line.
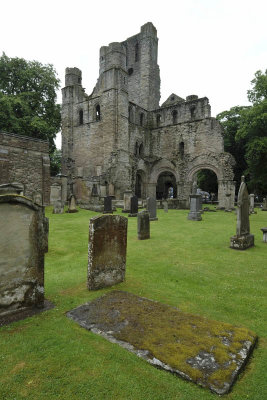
(206,352)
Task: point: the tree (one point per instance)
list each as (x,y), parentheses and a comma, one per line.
(55,162)
(28,99)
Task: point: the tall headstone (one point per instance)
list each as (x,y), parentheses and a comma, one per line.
(55,193)
(165,206)
(134,206)
(106,251)
(23,242)
(251,203)
(264,204)
(143,225)
(72,204)
(195,207)
(243,239)
(108,205)
(127,201)
(151,205)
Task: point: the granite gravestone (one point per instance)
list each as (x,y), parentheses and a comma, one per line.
(143,225)
(23,242)
(107,205)
(243,239)
(106,251)
(134,206)
(151,205)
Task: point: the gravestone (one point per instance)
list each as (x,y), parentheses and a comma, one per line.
(143,225)
(243,239)
(165,206)
(134,206)
(195,207)
(228,203)
(151,205)
(194,188)
(55,193)
(127,201)
(251,204)
(72,204)
(106,251)
(264,231)
(58,207)
(12,188)
(264,204)
(23,242)
(108,205)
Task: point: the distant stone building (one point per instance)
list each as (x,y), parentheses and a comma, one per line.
(26,161)
(118,138)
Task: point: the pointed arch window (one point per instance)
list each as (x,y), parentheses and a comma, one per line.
(174,117)
(97,112)
(158,120)
(141,119)
(136,52)
(81,117)
(181,148)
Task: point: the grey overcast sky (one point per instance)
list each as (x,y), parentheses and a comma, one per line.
(206,47)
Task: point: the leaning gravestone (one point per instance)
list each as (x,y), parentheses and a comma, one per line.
(151,205)
(72,204)
(106,251)
(107,205)
(134,206)
(243,239)
(195,207)
(143,225)
(23,242)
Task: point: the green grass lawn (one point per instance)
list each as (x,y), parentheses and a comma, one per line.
(186,264)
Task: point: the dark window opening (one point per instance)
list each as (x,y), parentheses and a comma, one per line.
(158,120)
(124,80)
(81,117)
(192,111)
(141,119)
(130,71)
(181,148)
(136,149)
(79,80)
(174,117)
(136,52)
(97,110)
(141,150)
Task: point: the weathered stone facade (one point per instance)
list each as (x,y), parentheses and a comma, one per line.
(26,160)
(119,138)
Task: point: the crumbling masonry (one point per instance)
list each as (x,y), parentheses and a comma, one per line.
(119,139)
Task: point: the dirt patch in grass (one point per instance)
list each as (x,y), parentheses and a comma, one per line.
(206,352)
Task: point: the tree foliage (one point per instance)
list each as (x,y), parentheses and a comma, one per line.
(55,162)
(28,99)
(245,135)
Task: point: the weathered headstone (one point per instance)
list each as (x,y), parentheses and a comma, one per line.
(127,201)
(106,251)
(143,225)
(134,206)
(251,204)
(195,207)
(264,204)
(151,205)
(264,231)
(58,207)
(12,188)
(72,204)
(165,206)
(23,242)
(228,202)
(243,239)
(108,205)
(55,193)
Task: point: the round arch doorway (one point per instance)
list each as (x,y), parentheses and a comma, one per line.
(207,182)
(166,186)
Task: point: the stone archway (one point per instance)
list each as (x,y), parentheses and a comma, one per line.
(166,186)
(162,167)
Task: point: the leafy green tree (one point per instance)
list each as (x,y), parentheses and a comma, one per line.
(55,162)
(28,99)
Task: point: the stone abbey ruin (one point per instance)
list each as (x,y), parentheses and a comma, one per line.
(119,138)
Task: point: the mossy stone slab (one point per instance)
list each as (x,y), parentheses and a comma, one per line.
(203,351)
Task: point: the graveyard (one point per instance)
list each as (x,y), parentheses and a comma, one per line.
(185,264)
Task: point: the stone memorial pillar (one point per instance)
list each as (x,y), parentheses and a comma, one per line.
(243,239)
(23,243)
(134,206)
(108,205)
(143,225)
(106,251)
(195,207)
(151,204)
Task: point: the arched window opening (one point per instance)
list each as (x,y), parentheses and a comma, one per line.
(166,186)
(97,110)
(130,71)
(181,148)
(174,117)
(207,183)
(141,150)
(158,119)
(130,114)
(141,119)
(81,117)
(193,112)
(136,52)
(136,149)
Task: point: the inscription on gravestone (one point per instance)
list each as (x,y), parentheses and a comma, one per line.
(106,251)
